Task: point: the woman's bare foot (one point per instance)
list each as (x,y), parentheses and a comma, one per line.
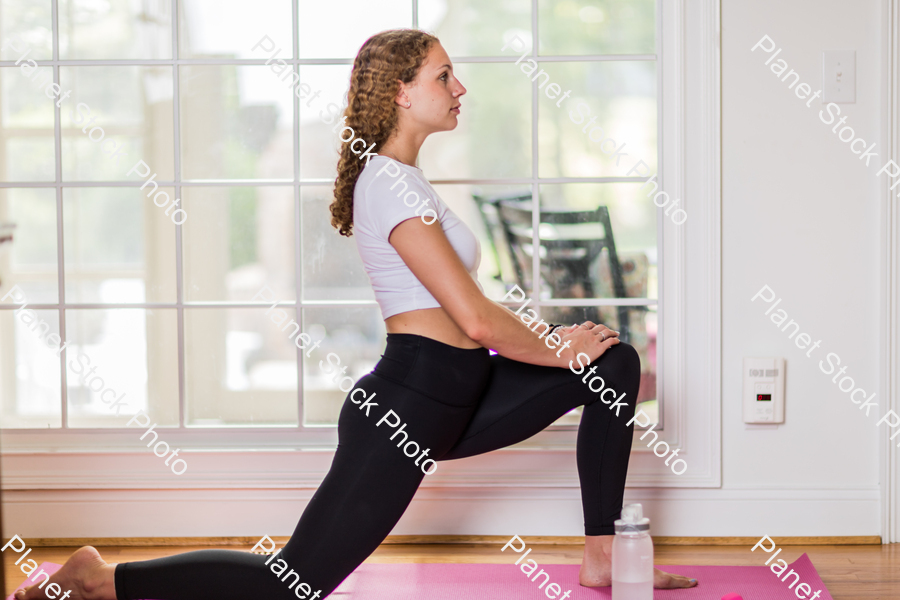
(85,575)
(596,568)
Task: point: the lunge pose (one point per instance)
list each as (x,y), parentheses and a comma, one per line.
(455,399)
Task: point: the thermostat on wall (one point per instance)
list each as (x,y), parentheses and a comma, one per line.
(763,390)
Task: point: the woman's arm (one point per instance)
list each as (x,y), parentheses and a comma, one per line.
(429,255)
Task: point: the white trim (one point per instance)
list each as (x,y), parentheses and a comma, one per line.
(690,315)
(312,182)
(242,62)
(890,308)
(461,510)
(553,468)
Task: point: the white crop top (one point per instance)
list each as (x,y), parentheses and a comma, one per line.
(377,209)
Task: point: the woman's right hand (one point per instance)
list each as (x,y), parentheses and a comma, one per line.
(586,338)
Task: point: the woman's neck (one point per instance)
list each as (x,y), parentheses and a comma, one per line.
(403,149)
(407,158)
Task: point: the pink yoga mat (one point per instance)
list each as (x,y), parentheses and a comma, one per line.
(508,582)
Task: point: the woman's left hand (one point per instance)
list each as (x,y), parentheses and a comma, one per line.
(602,330)
(587,338)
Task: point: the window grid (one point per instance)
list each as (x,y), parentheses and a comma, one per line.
(179,262)
(535,181)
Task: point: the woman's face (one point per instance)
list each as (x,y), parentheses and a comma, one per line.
(434,93)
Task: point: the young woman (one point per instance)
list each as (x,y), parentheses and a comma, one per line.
(436,374)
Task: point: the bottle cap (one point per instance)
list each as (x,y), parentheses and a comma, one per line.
(632,519)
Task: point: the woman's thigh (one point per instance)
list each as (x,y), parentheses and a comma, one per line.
(523,399)
(394,424)
(378,465)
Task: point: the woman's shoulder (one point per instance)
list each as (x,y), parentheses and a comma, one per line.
(388,192)
(386,183)
(387,172)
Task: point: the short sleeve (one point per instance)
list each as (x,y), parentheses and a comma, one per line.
(385,208)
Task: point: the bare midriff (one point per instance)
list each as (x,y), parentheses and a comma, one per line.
(432,323)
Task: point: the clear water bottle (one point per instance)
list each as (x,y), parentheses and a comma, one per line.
(632,556)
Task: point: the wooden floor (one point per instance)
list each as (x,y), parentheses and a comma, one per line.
(850,572)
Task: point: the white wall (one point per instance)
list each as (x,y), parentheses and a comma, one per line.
(799,213)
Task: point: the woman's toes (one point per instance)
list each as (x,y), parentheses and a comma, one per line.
(684,582)
(667,581)
(29,593)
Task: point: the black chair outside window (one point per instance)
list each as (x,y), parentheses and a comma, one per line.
(570,243)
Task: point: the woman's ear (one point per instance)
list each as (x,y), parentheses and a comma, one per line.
(402,99)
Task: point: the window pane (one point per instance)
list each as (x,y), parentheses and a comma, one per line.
(332,269)
(237,123)
(493,138)
(597,27)
(118,30)
(29,369)
(128,352)
(357,336)
(26,25)
(240,367)
(26,124)
(632,217)
(30,261)
(614,101)
(119,246)
(319,144)
(237,240)
(473,28)
(132,107)
(348,24)
(230,28)
(496,273)
(636,326)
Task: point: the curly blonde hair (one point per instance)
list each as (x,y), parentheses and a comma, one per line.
(384,58)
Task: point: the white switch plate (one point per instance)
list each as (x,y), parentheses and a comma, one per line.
(763,397)
(839,76)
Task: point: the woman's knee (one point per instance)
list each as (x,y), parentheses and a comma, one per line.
(621,359)
(616,379)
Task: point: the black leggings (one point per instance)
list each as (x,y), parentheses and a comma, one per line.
(455,403)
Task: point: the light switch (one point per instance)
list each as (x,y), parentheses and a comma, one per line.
(839,76)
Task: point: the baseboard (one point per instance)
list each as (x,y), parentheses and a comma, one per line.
(244,541)
(531,513)
(823,540)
